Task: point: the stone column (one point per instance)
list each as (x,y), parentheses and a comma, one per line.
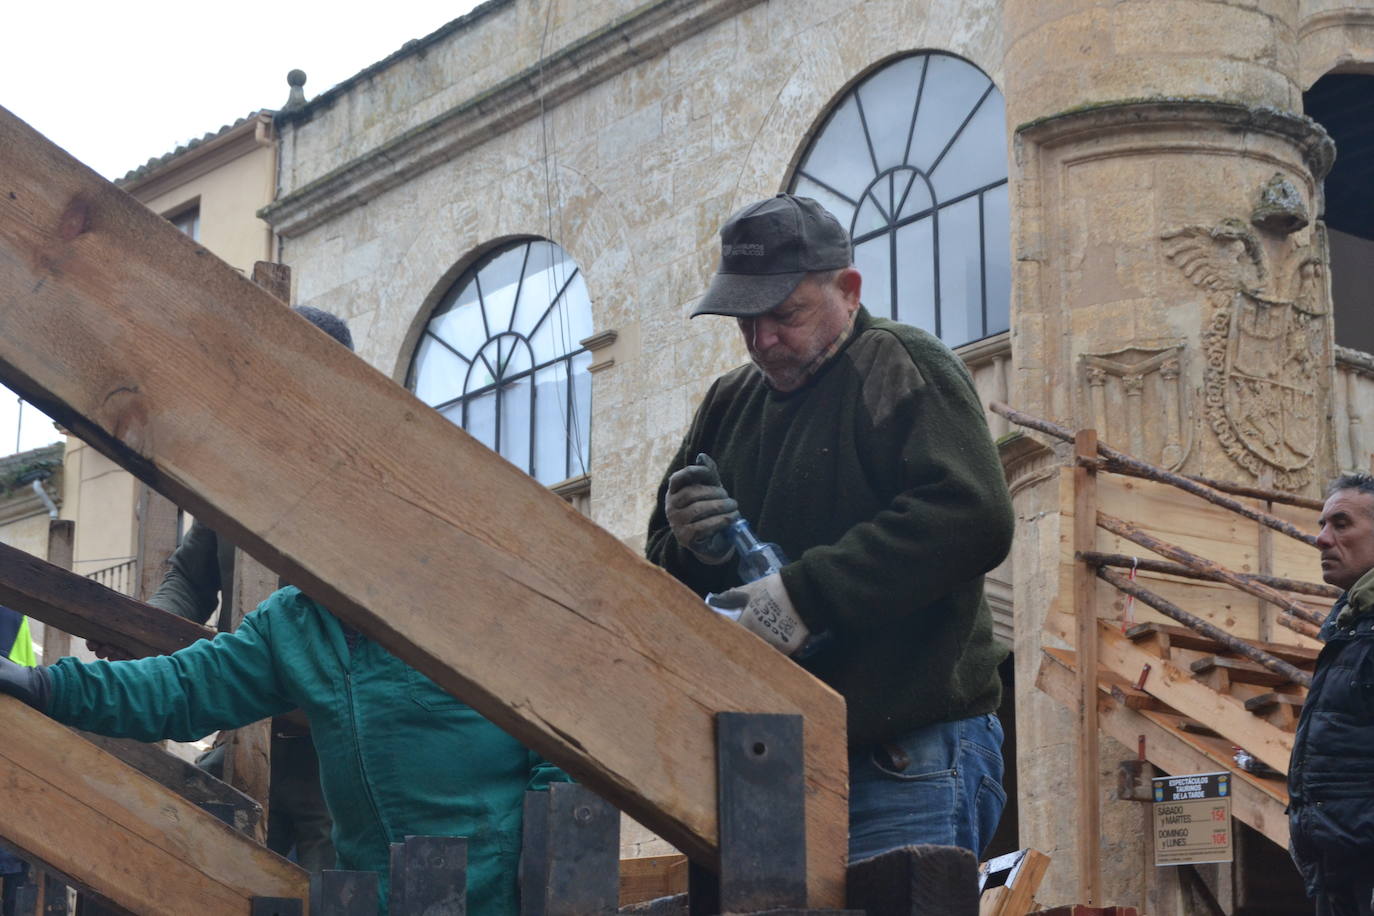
(1164,197)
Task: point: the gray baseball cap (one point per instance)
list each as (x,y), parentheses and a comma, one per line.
(766,250)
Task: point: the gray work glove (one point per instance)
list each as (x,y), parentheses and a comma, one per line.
(28,684)
(699,511)
(764,608)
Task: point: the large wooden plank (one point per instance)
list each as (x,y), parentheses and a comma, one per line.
(1175,686)
(184,778)
(111,830)
(85,608)
(180,369)
(1258,802)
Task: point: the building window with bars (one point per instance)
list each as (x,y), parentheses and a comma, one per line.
(502,357)
(913,160)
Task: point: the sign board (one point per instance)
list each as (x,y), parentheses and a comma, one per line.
(1192,819)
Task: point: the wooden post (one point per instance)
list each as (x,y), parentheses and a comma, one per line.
(200,383)
(1085,613)
(157,538)
(61,531)
(248,750)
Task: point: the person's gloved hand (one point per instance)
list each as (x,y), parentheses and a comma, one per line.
(764,608)
(28,684)
(699,511)
(107,651)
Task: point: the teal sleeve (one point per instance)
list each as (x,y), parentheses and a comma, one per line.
(543,773)
(226,682)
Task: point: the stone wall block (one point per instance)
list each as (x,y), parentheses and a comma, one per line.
(703,55)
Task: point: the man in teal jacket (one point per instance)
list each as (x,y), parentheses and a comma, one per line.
(398,754)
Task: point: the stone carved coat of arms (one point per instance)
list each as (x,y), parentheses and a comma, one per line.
(1266,342)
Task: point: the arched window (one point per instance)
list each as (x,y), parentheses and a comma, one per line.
(914,161)
(501,358)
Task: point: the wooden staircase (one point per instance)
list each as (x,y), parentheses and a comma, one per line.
(1196,705)
(1224,649)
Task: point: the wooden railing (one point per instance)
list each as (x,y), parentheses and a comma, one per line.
(1244,689)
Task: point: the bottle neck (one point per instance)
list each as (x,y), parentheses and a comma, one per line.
(743,535)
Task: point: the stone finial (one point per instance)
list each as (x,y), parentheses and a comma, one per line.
(296,80)
(1281,209)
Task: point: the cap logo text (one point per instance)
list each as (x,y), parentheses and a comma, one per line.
(748,249)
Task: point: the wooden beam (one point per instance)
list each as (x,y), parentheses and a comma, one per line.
(1085,615)
(87,609)
(1258,802)
(182,371)
(109,829)
(182,777)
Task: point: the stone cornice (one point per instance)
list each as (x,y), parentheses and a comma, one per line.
(1350,16)
(1317,149)
(645,33)
(1356,361)
(985,350)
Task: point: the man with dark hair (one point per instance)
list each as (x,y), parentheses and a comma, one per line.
(859,446)
(1331,774)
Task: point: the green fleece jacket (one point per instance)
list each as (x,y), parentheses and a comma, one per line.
(880,482)
(398,754)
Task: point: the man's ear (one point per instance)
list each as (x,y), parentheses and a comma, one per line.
(850,283)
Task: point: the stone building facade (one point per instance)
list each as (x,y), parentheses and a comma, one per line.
(1161,254)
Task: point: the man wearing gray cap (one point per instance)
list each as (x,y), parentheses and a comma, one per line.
(859,446)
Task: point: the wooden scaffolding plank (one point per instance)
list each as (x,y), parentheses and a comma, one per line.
(1175,686)
(109,829)
(181,370)
(85,608)
(1257,802)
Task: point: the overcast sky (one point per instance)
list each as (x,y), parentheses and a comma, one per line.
(116,84)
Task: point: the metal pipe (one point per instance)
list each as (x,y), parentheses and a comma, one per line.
(43,495)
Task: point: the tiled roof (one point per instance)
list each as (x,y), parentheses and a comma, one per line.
(158,162)
(21,467)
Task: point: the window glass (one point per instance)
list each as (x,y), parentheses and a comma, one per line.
(913,161)
(498,352)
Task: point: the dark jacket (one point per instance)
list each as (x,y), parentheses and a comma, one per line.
(398,754)
(879,480)
(200,576)
(1331,776)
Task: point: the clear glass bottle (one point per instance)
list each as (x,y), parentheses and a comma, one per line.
(755,560)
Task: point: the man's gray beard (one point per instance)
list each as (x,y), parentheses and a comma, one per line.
(796,376)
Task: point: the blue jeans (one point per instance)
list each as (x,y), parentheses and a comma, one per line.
(939,784)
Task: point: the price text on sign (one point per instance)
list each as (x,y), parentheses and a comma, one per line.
(1192,819)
